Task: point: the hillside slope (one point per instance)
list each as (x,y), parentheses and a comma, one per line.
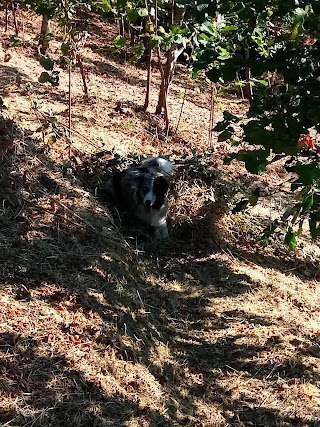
(101,327)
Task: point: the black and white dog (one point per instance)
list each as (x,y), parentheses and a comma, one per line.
(142,190)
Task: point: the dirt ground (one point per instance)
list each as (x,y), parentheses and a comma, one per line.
(100,326)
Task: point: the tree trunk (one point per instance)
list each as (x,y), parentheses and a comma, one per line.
(70,104)
(171,59)
(165,82)
(44,41)
(146,102)
(163,94)
(172,56)
(246,90)
(83,75)
(6,18)
(14,18)
(121,28)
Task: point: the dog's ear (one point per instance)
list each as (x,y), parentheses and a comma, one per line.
(137,174)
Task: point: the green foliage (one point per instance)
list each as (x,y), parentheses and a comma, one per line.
(51,75)
(103,6)
(233,44)
(46,62)
(141,15)
(64,10)
(138,52)
(290,238)
(52,78)
(119,42)
(266,37)
(42,7)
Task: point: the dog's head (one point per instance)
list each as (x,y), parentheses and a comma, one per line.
(152,188)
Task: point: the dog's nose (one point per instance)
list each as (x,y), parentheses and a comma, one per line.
(148,202)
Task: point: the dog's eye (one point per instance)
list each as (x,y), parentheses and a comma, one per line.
(145,188)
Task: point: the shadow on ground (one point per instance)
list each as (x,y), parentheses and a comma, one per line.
(56,236)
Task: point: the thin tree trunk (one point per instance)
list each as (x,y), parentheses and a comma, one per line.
(80,65)
(14,18)
(149,57)
(177,16)
(121,26)
(211,120)
(132,37)
(247,89)
(22,26)
(247,92)
(165,76)
(70,99)
(43,41)
(164,94)
(6,18)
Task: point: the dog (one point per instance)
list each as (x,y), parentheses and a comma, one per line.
(142,191)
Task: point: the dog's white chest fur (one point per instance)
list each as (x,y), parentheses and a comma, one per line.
(157,218)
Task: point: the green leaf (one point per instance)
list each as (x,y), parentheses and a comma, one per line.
(307,203)
(203,37)
(46,62)
(308,174)
(299,15)
(295,31)
(64,60)
(44,77)
(138,51)
(229,28)
(66,47)
(142,11)
(290,238)
(256,160)
(103,5)
(224,53)
(152,11)
(263,82)
(208,27)
(119,42)
(132,15)
(155,41)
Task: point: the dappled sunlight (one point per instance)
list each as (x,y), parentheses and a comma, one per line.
(102,326)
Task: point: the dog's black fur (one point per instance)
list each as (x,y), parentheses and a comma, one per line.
(142,191)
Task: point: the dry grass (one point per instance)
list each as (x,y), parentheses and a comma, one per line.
(100,327)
